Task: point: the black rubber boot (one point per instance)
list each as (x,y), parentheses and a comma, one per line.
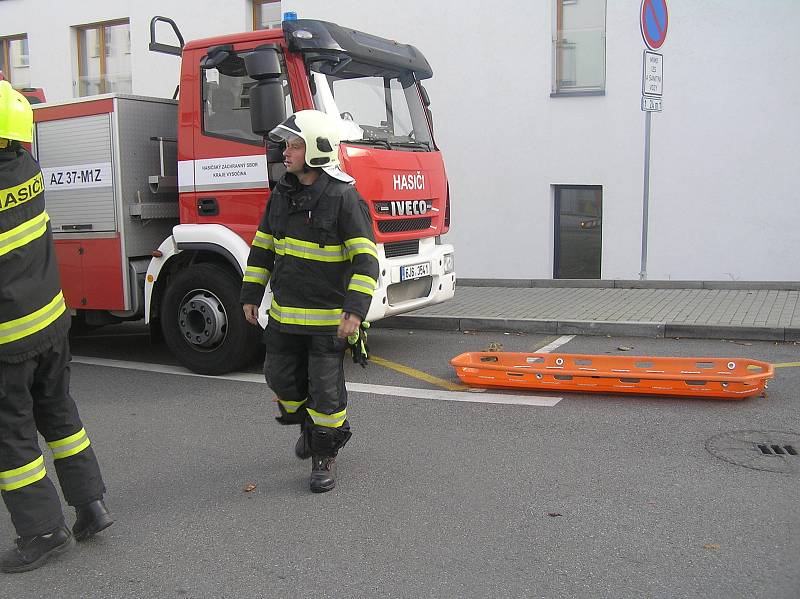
(323,473)
(92,517)
(32,552)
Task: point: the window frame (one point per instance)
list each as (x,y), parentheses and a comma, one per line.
(5,51)
(102,49)
(557,190)
(251,142)
(257,4)
(557,65)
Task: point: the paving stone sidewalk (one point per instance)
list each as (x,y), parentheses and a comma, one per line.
(761,314)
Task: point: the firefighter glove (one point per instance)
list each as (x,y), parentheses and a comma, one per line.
(358,345)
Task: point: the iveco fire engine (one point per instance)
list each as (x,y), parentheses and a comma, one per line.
(154,202)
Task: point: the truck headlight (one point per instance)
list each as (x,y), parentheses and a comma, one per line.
(449,263)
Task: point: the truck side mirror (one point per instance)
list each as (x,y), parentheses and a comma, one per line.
(267,108)
(215,56)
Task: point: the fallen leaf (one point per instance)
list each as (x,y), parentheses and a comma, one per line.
(494,346)
(711,546)
(554,514)
(249,487)
(624,348)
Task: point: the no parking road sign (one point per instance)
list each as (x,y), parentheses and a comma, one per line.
(653,19)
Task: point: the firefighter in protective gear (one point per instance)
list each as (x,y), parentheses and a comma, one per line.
(316,249)
(34,365)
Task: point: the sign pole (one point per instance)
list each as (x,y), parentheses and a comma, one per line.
(645,196)
(654,21)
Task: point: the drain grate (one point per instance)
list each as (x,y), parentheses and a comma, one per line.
(776,449)
(772,451)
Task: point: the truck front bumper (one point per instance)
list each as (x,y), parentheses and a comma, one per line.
(415,281)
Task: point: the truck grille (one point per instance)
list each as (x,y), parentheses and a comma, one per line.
(404,224)
(401,248)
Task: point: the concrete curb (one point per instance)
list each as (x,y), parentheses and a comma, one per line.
(590,327)
(631,284)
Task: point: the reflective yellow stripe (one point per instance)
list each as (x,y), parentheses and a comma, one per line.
(22,476)
(63,448)
(254,274)
(309,251)
(291,406)
(362,283)
(330,420)
(24,233)
(305,316)
(34,322)
(263,241)
(11,197)
(360,245)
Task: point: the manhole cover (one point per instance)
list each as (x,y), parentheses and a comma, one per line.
(773,451)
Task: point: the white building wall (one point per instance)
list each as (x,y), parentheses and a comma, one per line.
(723,204)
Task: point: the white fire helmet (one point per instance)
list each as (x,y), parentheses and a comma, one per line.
(320,132)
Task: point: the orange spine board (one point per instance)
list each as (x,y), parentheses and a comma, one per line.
(722,378)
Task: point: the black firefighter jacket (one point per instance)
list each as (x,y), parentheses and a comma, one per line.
(315,246)
(33,315)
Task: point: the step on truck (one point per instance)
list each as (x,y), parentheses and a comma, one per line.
(154,201)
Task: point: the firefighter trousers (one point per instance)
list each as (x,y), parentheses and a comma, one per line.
(306,372)
(34,395)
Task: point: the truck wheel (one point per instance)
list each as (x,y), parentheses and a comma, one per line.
(203,323)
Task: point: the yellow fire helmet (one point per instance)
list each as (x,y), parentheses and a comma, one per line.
(321,134)
(16,115)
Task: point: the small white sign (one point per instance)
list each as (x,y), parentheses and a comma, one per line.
(230,171)
(651,104)
(77,176)
(652,74)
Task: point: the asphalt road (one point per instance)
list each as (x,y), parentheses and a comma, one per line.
(596,496)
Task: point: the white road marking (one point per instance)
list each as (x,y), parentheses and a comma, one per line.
(564,339)
(485,397)
(252,377)
(110,335)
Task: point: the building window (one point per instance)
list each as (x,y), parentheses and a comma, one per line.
(579,46)
(104,58)
(266,14)
(578,231)
(14,60)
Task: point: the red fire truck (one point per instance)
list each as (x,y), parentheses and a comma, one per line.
(154,201)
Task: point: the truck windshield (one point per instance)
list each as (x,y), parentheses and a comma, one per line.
(382,111)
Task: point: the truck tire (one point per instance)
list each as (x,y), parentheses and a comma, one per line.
(203,322)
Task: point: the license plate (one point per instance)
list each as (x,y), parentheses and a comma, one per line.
(415,271)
